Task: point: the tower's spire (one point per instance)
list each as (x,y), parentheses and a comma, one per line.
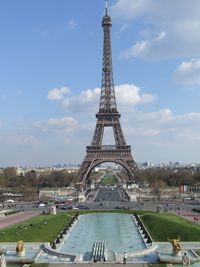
(107,101)
(106,7)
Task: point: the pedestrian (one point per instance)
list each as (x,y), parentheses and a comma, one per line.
(185,260)
(124,258)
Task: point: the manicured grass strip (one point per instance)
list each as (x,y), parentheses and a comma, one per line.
(197,252)
(158,265)
(109,180)
(38,265)
(35,230)
(164,226)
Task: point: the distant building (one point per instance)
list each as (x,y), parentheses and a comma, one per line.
(194,189)
(184,188)
(20,171)
(99,168)
(146,165)
(190,189)
(56,192)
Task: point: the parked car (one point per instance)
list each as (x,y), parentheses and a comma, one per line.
(42,205)
(66,207)
(82,207)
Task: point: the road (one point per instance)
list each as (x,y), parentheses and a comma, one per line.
(105,198)
(108,194)
(111,198)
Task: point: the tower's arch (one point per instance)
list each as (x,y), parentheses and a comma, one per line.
(98,162)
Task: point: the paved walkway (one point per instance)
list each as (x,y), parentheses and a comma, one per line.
(189,215)
(17,217)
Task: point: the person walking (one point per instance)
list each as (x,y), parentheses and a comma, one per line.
(185,260)
(124,258)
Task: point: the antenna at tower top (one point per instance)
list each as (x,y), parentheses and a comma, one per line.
(106,7)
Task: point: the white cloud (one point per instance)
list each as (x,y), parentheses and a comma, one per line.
(72,24)
(188,73)
(160,116)
(86,101)
(130,9)
(65,122)
(124,27)
(18,139)
(160,136)
(3,96)
(127,95)
(67,141)
(18,92)
(58,93)
(56,126)
(181,27)
(144,48)
(155,10)
(165,125)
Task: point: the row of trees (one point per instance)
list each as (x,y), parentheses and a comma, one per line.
(151,176)
(32,179)
(170,177)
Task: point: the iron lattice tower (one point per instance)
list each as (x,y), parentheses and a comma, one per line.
(108,116)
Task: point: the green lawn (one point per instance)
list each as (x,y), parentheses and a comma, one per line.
(163,226)
(158,265)
(109,180)
(38,265)
(35,230)
(198,252)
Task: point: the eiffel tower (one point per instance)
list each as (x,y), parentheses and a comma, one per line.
(108,116)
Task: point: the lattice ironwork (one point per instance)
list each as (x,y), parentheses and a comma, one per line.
(108,116)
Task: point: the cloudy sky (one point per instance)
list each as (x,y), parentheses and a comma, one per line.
(50,78)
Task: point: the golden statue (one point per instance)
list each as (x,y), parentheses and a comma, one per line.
(175,245)
(20,248)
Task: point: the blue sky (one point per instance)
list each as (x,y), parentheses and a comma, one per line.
(50,78)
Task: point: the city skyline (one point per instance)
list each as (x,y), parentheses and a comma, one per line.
(51,60)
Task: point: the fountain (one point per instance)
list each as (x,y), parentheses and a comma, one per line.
(179,254)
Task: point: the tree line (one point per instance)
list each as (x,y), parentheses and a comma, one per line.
(9,178)
(170,177)
(62,178)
